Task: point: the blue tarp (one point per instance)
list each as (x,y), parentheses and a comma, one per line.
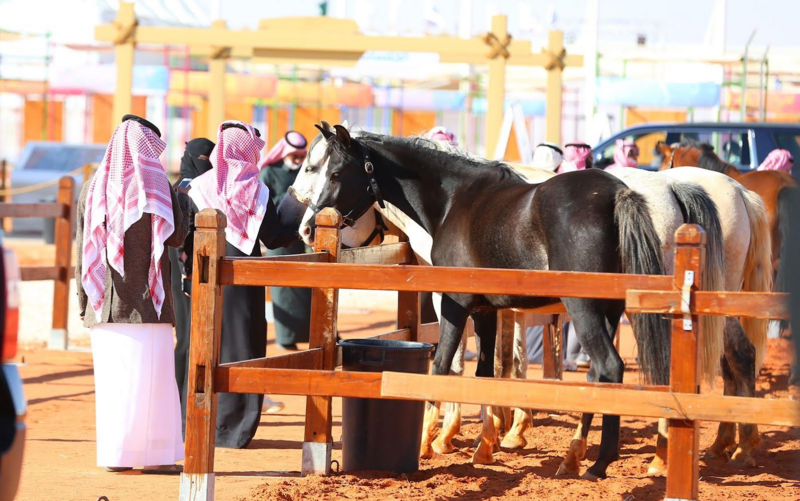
(656,93)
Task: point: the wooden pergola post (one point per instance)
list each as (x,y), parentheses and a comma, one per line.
(555,68)
(216,90)
(124,45)
(498,39)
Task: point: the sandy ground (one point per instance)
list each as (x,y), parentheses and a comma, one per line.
(60,450)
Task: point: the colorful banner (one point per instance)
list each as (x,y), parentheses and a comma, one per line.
(656,93)
(102,79)
(778,102)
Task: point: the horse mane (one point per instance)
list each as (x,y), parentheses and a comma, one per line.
(708,159)
(441,152)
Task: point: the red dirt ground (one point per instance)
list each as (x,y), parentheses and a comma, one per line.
(60,450)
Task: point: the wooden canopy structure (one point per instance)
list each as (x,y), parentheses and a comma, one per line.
(338,42)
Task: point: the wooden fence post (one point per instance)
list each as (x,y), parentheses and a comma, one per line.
(553,349)
(318,440)
(683,447)
(197,480)
(59,335)
(408,317)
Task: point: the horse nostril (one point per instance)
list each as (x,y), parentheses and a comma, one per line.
(305,231)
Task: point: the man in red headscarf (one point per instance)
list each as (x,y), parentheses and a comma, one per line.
(291,306)
(233,187)
(127,216)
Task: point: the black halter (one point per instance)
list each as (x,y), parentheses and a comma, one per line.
(373,191)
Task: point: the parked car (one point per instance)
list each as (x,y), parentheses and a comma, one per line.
(745,145)
(13,405)
(43,161)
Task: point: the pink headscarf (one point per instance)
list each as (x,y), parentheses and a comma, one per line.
(129,182)
(232,186)
(439,133)
(575,157)
(621,158)
(291,142)
(777,160)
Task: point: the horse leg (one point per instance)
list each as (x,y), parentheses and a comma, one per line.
(454,316)
(503,363)
(486,329)
(658,466)
(523,420)
(726,432)
(741,360)
(571,464)
(451,424)
(593,325)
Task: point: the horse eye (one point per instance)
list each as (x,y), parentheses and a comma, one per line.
(335,175)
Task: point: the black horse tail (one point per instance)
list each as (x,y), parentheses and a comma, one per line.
(640,248)
(698,208)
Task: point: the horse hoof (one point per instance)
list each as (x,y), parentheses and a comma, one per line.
(482,456)
(513,442)
(654,471)
(742,459)
(716,454)
(567,469)
(591,476)
(442,447)
(426,452)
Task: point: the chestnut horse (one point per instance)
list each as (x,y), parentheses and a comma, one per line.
(769,184)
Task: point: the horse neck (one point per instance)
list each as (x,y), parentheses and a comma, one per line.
(418,189)
(418,238)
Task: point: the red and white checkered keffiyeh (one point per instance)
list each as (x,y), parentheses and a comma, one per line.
(129,182)
(233,187)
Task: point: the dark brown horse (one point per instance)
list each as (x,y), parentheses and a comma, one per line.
(769,184)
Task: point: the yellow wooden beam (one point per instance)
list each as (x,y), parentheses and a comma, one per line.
(216,90)
(125,32)
(555,67)
(496,91)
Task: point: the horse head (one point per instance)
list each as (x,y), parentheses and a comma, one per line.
(347,183)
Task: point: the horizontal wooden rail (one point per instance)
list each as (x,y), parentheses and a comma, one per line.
(311,257)
(398,335)
(298,382)
(729,304)
(612,400)
(35,273)
(438,279)
(399,253)
(305,359)
(549,309)
(429,333)
(45,210)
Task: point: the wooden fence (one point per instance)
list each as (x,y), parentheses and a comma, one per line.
(63,211)
(312,372)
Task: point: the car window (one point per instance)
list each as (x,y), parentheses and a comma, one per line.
(733,147)
(647,144)
(787,141)
(62,158)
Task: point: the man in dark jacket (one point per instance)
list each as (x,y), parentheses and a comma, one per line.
(291,306)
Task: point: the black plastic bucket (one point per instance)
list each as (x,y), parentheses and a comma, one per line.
(382,434)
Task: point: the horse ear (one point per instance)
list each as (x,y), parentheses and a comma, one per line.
(663,148)
(326,132)
(326,125)
(343,135)
(345,124)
